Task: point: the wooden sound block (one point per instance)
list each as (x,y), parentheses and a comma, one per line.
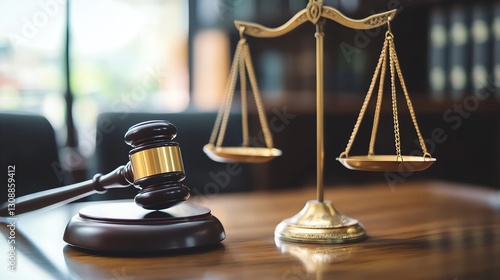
(123,227)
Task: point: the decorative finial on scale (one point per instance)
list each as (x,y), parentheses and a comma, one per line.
(314,10)
(389,24)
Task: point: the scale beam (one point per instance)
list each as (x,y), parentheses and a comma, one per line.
(260,31)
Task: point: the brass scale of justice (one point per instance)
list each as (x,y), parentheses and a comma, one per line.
(318,221)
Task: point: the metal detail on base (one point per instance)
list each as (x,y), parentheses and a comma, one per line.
(320,222)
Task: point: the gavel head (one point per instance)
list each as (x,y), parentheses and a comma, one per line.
(156,165)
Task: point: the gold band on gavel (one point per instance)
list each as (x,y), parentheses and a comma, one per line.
(155,161)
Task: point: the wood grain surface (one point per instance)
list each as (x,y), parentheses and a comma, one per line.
(417,230)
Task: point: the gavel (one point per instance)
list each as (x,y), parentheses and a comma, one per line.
(155,167)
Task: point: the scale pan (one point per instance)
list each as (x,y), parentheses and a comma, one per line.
(387,163)
(241,154)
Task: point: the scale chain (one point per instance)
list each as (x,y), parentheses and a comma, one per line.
(383,57)
(407,97)
(223,116)
(395,71)
(376,116)
(397,138)
(242,62)
(260,107)
(230,94)
(244,104)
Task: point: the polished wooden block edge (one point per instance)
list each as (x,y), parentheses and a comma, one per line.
(129,237)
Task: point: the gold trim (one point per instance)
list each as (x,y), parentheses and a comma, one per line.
(257,30)
(370,22)
(155,161)
(260,31)
(320,222)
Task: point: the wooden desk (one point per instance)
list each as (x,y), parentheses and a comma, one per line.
(428,230)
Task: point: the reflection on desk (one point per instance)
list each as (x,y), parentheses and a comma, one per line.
(424,230)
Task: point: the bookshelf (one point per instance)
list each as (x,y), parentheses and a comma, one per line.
(350,55)
(350,58)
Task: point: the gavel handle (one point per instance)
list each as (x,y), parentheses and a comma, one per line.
(119,178)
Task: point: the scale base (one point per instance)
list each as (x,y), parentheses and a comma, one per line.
(124,227)
(320,222)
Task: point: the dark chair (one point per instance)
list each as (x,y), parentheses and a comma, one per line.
(28,142)
(203,176)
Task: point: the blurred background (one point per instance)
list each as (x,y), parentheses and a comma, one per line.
(92,68)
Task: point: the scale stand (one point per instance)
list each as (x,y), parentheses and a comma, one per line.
(318,221)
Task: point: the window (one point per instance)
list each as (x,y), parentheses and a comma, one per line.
(125,56)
